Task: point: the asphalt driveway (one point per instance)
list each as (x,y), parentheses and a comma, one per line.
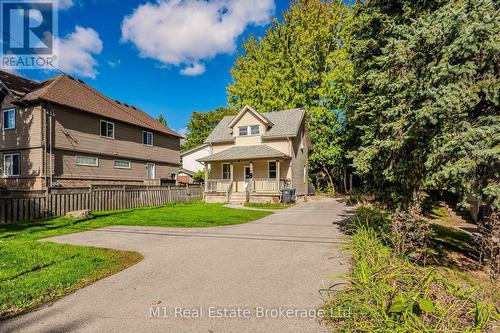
(262,276)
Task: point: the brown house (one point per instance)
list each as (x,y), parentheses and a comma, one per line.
(62,132)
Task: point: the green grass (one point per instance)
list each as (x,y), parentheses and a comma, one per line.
(268,205)
(33,272)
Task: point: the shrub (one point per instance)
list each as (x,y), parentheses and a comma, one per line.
(489,241)
(409,231)
(388,293)
(373,218)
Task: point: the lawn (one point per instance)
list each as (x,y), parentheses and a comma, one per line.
(268,205)
(33,272)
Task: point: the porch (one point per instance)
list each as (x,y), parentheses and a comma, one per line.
(260,179)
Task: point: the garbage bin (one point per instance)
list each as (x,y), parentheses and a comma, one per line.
(288,195)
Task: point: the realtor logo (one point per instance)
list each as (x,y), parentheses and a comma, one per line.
(28,34)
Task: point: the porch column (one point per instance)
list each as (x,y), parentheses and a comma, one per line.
(231,173)
(251,179)
(278,174)
(206,177)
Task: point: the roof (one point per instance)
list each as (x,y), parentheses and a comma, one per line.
(186,171)
(18,85)
(194,149)
(243,153)
(248,108)
(73,93)
(286,123)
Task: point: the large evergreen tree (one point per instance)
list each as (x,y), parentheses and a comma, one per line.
(427,97)
(301,62)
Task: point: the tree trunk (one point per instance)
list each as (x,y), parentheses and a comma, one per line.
(330,179)
(345,179)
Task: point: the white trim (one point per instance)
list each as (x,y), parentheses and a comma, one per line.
(258,115)
(275,170)
(100,129)
(87,164)
(147,170)
(222,170)
(249,130)
(3,118)
(152,138)
(120,167)
(244,172)
(18,167)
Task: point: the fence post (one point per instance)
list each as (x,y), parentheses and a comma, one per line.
(169,194)
(91,198)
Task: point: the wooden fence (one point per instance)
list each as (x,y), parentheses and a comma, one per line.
(33,205)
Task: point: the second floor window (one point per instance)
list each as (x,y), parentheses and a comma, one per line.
(9,119)
(249,130)
(107,129)
(147,138)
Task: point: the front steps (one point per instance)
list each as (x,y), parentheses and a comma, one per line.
(238,198)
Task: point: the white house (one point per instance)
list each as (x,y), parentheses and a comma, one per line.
(190,165)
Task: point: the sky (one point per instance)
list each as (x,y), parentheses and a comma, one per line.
(166,56)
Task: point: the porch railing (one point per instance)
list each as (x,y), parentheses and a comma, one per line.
(267,185)
(218,185)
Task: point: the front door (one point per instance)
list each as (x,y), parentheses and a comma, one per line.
(247,175)
(151,170)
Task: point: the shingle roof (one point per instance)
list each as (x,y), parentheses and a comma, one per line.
(19,86)
(68,91)
(286,123)
(244,153)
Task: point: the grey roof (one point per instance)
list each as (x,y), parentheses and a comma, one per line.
(244,153)
(286,123)
(184,153)
(186,171)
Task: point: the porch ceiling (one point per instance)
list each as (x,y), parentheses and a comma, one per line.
(244,153)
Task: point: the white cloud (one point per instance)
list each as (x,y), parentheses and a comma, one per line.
(77,50)
(185,32)
(65,4)
(193,70)
(182,131)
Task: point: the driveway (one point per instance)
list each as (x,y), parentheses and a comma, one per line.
(262,276)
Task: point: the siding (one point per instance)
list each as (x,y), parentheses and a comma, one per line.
(30,176)
(79,131)
(28,130)
(299,161)
(189,160)
(66,167)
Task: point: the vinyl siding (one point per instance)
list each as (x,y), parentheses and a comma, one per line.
(66,167)
(28,130)
(80,131)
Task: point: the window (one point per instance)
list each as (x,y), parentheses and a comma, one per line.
(243,130)
(107,129)
(11,164)
(249,130)
(272,169)
(120,164)
(87,160)
(173,176)
(151,170)
(147,138)
(9,119)
(226,171)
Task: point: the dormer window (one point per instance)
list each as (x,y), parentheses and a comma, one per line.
(249,130)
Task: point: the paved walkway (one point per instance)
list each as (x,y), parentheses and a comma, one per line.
(279,261)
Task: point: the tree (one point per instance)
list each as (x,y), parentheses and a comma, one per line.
(202,123)
(162,119)
(426,97)
(301,62)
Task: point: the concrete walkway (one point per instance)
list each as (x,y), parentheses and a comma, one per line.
(196,280)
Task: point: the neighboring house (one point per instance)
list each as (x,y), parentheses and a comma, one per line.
(189,163)
(255,155)
(62,132)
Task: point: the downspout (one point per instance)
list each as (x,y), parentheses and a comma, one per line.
(50,113)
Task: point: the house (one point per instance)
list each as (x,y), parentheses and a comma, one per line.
(256,155)
(189,163)
(63,132)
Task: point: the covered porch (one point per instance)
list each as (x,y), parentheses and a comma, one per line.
(237,177)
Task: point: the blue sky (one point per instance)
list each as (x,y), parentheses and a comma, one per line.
(169,58)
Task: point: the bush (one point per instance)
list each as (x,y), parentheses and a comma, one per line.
(409,232)
(373,218)
(387,293)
